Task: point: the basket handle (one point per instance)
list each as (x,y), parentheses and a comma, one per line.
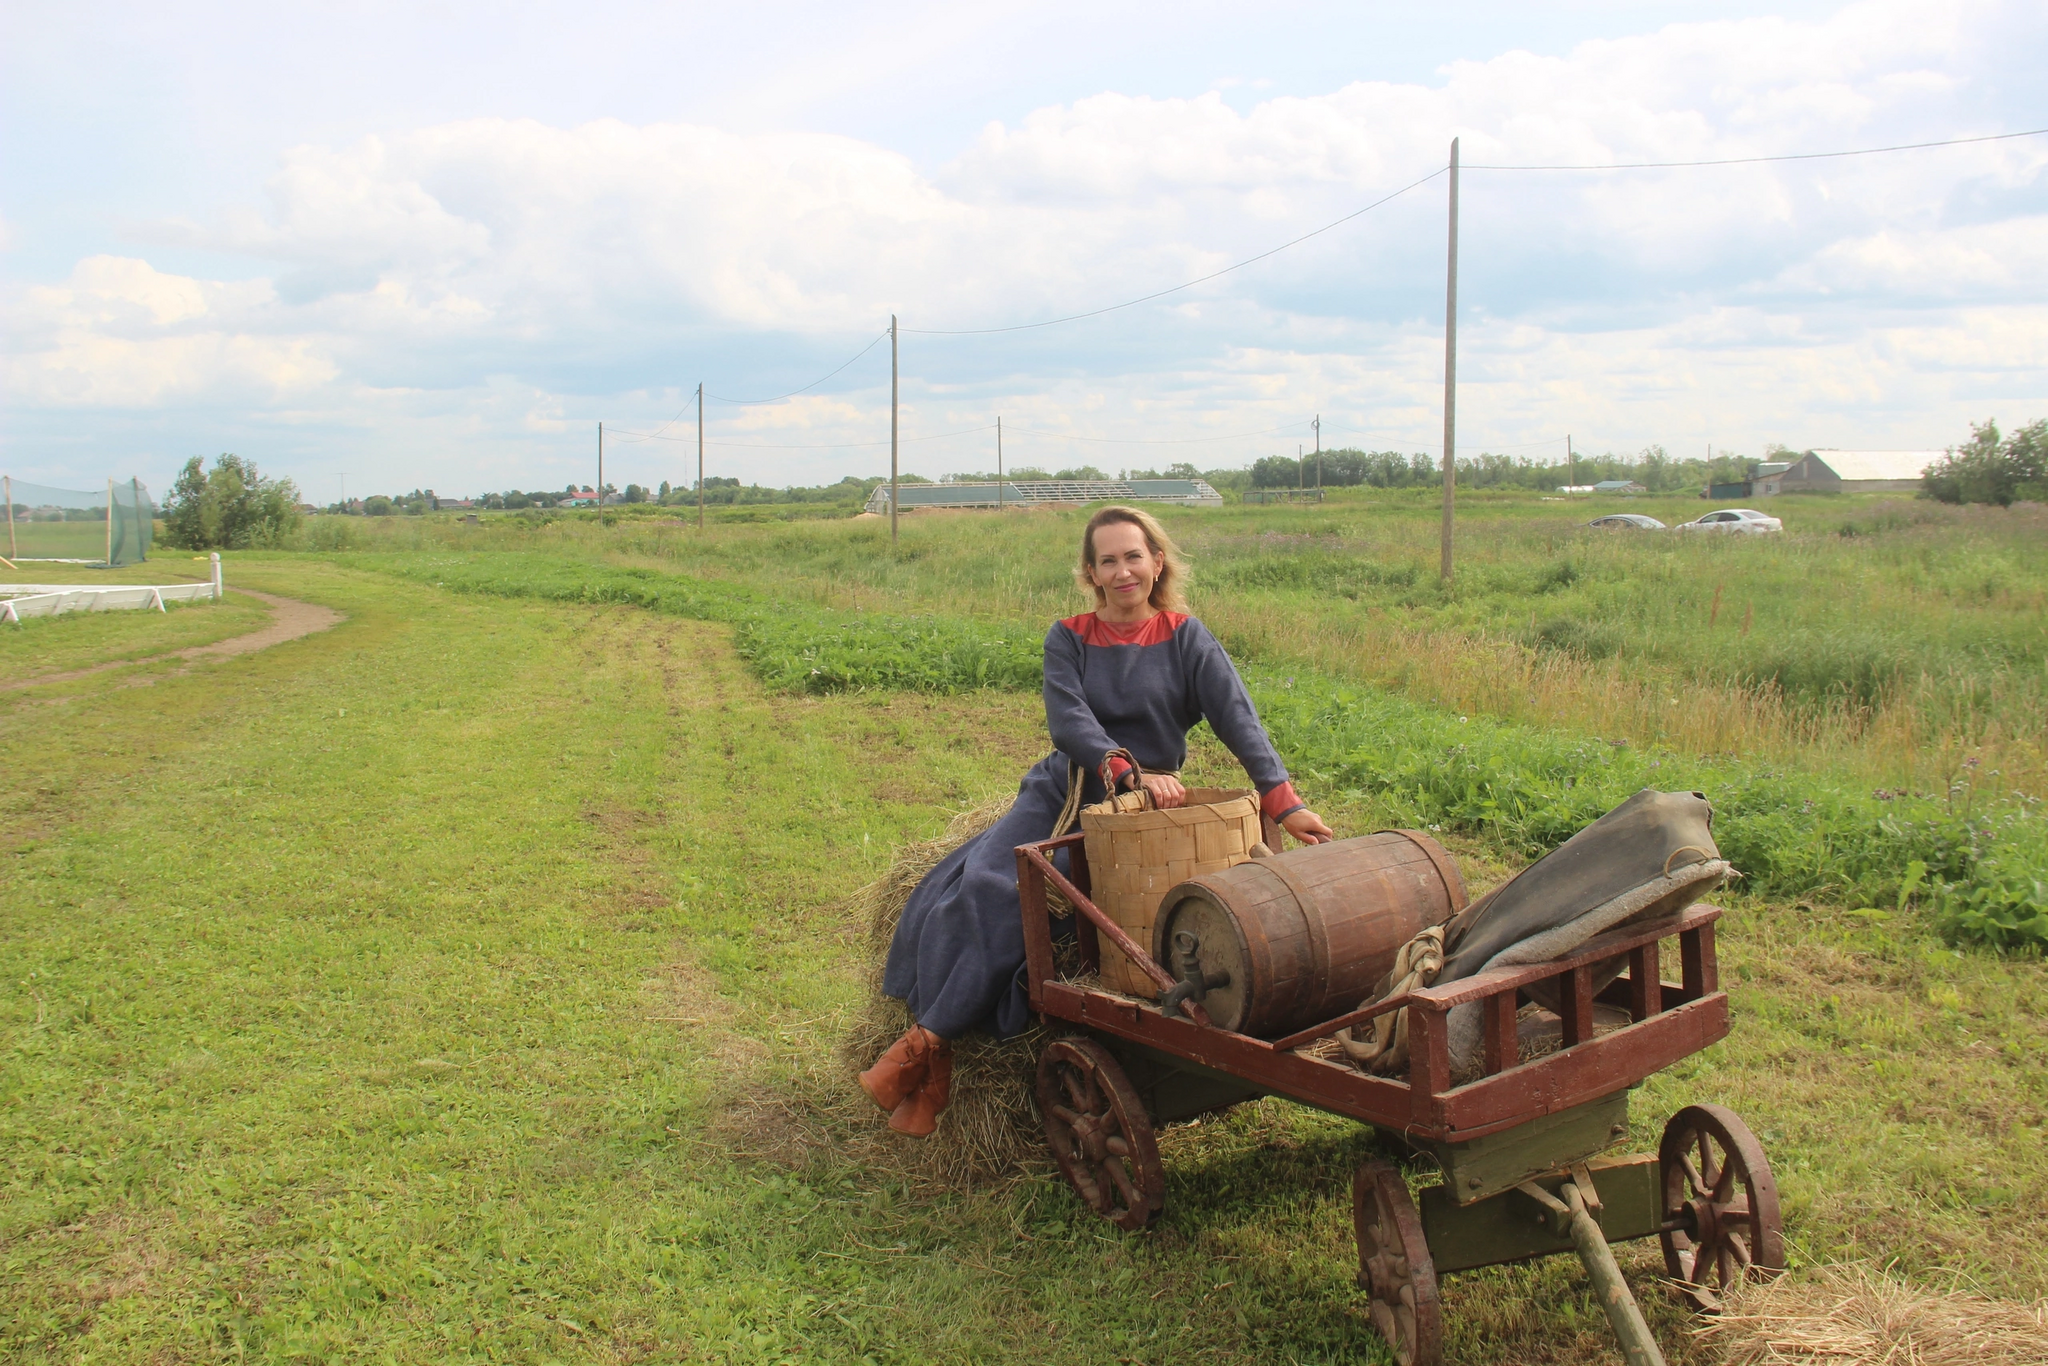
(1137,769)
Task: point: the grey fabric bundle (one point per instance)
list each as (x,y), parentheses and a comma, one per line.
(1652,855)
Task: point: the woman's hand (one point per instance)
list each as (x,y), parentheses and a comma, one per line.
(1305,825)
(1166,790)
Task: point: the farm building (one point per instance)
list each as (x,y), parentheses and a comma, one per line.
(1831,471)
(1619,486)
(1027,492)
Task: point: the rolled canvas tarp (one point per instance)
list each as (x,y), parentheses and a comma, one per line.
(1652,855)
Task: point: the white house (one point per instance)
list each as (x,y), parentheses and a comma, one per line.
(1832,471)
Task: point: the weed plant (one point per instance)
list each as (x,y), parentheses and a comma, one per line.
(1883,638)
(1979,863)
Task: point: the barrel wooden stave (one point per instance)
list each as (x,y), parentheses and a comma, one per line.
(1306,935)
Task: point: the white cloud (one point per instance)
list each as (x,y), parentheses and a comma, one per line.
(478,285)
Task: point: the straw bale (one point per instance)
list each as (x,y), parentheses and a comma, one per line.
(991,1131)
(1855,1314)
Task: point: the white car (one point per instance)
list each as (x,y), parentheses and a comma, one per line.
(1733,519)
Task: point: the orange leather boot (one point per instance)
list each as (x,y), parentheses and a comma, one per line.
(918,1115)
(902,1069)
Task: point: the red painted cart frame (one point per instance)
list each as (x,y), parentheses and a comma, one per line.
(1667,1020)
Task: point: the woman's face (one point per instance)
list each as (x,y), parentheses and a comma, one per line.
(1124,567)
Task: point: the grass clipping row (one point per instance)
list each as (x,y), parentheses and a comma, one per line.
(1844,1314)
(991,1131)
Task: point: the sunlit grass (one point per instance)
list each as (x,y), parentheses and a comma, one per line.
(411,1008)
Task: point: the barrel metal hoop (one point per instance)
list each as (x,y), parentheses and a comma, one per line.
(1446,870)
(1310,907)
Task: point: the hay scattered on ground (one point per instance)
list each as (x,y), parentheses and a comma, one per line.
(990,1131)
(1845,1314)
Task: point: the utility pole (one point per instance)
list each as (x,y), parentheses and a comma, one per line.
(600,467)
(893,470)
(1300,468)
(110,524)
(1571,463)
(1451,367)
(999,462)
(700,455)
(1319,452)
(7,492)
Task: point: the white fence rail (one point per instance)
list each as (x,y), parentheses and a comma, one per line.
(18,600)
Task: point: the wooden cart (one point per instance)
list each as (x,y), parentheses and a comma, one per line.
(1522,1146)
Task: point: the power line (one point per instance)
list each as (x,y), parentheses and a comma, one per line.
(1132,303)
(828,445)
(754,402)
(1159,441)
(1748,161)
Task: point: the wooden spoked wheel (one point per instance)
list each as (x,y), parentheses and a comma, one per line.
(1394,1266)
(1099,1133)
(1720,1204)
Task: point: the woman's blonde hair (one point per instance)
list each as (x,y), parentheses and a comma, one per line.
(1166,589)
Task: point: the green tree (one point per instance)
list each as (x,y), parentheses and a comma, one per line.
(1991,469)
(230,507)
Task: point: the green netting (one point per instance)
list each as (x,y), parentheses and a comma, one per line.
(109,526)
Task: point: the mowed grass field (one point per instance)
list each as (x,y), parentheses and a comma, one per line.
(463,982)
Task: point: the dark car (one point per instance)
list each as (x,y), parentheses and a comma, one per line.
(1628,521)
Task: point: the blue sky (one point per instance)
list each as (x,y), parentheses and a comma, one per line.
(434,244)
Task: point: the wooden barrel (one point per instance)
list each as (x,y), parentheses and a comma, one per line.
(1306,935)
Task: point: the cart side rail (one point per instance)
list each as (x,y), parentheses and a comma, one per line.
(1667,1020)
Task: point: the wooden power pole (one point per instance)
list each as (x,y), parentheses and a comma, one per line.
(700,455)
(893,470)
(1451,367)
(600,467)
(999,462)
(1319,453)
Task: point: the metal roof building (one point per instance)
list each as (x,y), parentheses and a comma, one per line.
(1030,492)
(1831,471)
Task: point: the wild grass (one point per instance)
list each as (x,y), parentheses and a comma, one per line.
(463,983)
(1883,637)
(1976,862)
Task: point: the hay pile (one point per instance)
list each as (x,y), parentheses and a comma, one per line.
(1846,1314)
(991,1130)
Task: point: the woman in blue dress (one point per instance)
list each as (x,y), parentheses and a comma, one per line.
(1131,678)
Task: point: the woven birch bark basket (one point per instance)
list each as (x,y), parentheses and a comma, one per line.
(1137,852)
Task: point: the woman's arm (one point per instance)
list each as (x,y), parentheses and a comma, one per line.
(1075,731)
(1230,713)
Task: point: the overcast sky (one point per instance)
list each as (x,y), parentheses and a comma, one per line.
(434,244)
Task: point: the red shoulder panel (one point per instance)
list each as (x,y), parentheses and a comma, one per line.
(1154,630)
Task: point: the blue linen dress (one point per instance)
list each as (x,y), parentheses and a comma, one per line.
(957,959)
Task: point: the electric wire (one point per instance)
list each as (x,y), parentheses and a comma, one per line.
(1749,161)
(1160,294)
(830,445)
(657,434)
(1159,441)
(756,402)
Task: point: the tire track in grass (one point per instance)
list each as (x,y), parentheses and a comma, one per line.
(290,619)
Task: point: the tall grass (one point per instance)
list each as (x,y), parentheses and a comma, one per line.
(1889,640)
(1977,859)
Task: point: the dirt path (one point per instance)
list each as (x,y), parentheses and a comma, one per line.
(289,620)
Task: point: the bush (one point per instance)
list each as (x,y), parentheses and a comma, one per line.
(1989,470)
(231,507)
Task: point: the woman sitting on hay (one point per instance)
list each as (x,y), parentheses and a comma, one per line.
(1125,682)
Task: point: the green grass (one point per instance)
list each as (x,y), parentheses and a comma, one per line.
(1979,865)
(460,983)
(59,540)
(79,640)
(1883,636)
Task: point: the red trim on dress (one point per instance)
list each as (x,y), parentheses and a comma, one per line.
(1279,801)
(1154,630)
